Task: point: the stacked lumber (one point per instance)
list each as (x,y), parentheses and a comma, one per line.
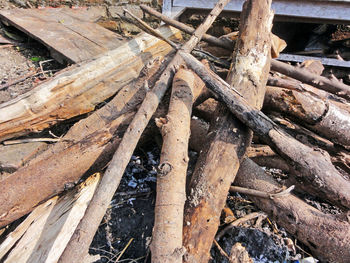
(300,121)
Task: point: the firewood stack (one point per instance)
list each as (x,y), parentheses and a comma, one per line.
(298,120)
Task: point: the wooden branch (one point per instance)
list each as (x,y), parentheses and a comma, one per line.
(90,142)
(171,182)
(219,161)
(80,88)
(331,85)
(79,244)
(319,115)
(43,235)
(311,166)
(327,236)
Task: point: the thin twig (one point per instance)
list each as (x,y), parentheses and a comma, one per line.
(238,222)
(262,194)
(222,252)
(29,140)
(124,249)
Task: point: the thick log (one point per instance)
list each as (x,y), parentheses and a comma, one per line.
(88,143)
(80,242)
(312,167)
(80,88)
(171,182)
(327,236)
(230,138)
(43,235)
(331,85)
(319,115)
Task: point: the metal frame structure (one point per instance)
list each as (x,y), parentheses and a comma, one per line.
(320,11)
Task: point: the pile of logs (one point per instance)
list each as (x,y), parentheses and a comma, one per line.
(299,122)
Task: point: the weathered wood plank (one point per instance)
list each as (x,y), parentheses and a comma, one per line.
(69,38)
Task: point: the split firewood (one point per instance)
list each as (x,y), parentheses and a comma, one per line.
(331,85)
(320,116)
(217,164)
(43,235)
(171,182)
(90,141)
(85,85)
(79,244)
(312,167)
(327,236)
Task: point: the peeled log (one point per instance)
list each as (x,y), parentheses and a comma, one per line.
(80,88)
(90,142)
(228,138)
(327,236)
(312,167)
(321,116)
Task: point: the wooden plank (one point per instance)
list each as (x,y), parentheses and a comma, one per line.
(68,38)
(320,10)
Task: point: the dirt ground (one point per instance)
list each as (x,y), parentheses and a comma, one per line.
(127,226)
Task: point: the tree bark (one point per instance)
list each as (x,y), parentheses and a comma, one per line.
(90,142)
(331,85)
(229,138)
(81,87)
(166,243)
(79,244)
(327,236)
(320,116)
(312,167)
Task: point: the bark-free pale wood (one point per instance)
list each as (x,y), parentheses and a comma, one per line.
(326,235)
(90,142)
(80,242)
(219,161)
(321,116)
(43,235)
(79,89)
(171,180)
(312,167)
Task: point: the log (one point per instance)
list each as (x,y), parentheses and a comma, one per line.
(326,235)
(330,85)
(43,235)
(80,88)
(79,244)
(312,167)
(318,115)
(171,180)
(229,138)
(89,142)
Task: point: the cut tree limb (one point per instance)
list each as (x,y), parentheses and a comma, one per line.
(80,242)
(327,236)
(80,88)
(218,163)
(171,180)
(312,167)
(90,142)
(319,115)
(331,85)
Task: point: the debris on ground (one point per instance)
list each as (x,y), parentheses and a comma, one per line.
(222,139)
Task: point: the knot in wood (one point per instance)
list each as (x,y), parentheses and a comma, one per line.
(164,169)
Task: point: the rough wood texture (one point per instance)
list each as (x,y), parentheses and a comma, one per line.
(90,142)
(80,242)
(43,235)
(327,236)
(331,85)
(312,167)
(80,88)
(69,38)
(229,140)
(171,180)
(319,115)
